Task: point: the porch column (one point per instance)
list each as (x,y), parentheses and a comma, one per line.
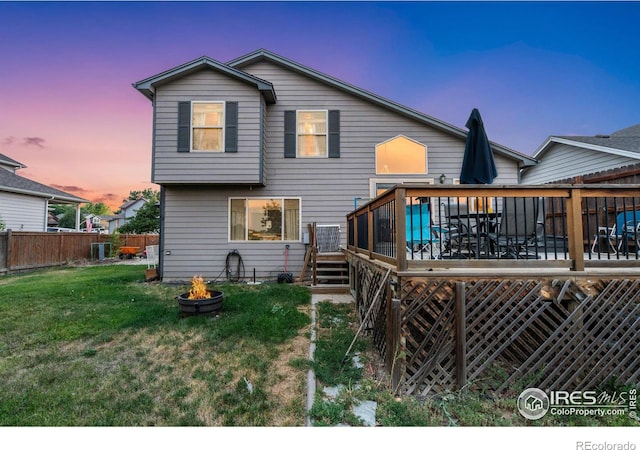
(77,216)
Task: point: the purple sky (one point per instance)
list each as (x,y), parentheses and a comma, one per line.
(68,111)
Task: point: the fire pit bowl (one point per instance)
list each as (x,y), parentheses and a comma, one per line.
(189,307)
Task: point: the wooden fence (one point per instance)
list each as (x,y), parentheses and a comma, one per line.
(501,334)
(23,250)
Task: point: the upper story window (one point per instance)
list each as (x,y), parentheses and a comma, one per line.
(402,156)
(207,126)
(312,134)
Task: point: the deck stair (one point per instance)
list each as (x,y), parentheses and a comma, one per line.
(331,272)
(325,268)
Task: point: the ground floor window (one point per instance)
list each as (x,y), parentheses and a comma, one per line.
(264,219)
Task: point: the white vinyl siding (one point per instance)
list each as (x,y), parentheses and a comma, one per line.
(22,212)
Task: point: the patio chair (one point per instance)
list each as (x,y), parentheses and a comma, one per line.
(626,230)
(151,252)
(423,238)
(520,228)
(466,230)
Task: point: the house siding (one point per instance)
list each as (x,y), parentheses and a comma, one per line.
(196,218)
(563,161)
(171,166)
(22,212)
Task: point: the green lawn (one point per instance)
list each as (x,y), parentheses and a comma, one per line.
(97,346)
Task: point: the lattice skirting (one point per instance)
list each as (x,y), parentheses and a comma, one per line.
(551,334)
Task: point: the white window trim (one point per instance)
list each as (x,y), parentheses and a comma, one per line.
(374,181)
(326,116)
(223,126)
(426,155)
(246,228)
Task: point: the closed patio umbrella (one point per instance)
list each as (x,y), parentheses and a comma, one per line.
(478,166)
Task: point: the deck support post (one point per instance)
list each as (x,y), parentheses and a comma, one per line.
(461,336)
(395,350)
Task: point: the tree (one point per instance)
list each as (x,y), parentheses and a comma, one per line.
(66,216)
(148,193)
(97,209)
(146,220)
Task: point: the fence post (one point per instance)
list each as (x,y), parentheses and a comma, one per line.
(574,223)
(9,239)
(461,336)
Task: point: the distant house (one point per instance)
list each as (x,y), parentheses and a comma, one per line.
(127,211)
(248,152)
(99,224)
(588,159)
(24,203)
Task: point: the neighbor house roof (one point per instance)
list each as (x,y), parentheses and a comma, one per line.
(148,85)
(267,55)
(6,161)
(10,182)
(625,142)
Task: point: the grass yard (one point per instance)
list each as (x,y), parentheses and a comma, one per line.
(96,346)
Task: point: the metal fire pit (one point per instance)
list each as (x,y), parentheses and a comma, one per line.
(200,307)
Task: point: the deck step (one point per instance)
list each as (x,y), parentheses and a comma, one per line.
(330,289)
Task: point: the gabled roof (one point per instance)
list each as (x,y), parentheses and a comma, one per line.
(625,142)
(6,161)
(129,203)
(148,85)
(262,54)
(10,182)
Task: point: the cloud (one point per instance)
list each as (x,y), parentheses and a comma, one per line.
(8,140)
(33,141)
(76,190)
(108,199)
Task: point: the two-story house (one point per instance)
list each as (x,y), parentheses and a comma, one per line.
(248,152)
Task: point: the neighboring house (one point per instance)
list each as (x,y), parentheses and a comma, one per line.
(24,203)
(127,211)
(99,224)
(598,158)
(247,153)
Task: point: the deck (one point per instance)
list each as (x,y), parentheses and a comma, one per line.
(555,305)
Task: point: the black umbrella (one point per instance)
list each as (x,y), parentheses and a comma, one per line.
(478,166)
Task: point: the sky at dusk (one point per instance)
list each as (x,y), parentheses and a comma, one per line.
(68,110)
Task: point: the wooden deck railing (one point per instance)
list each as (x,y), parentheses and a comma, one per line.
(417,226)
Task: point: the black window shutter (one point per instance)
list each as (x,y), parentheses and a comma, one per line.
(231,127)
(184,126)
(289,134)
(334,134)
